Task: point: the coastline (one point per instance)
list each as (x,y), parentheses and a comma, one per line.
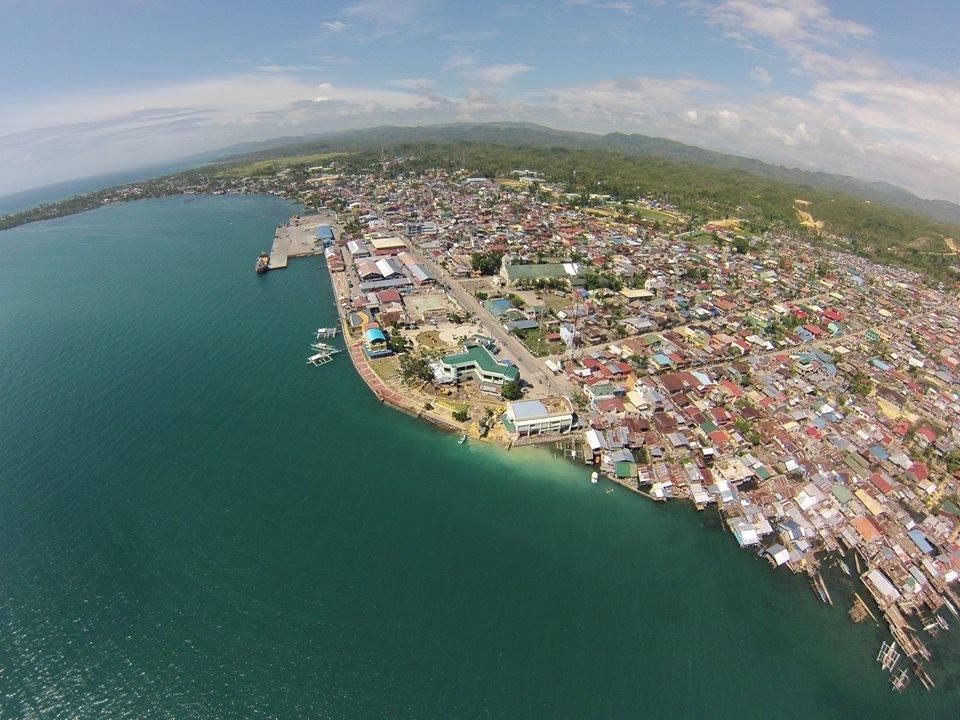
(899,627)
(259,506)
(361,365)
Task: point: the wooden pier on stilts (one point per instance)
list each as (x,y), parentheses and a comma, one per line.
(860,611)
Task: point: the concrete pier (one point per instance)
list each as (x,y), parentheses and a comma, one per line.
(298,238)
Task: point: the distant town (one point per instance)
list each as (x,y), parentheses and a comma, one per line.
(808,396)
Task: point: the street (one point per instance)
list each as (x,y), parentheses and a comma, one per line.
(531,367)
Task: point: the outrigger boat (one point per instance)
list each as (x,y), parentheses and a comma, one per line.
(321,358)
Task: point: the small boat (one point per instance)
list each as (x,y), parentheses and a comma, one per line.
(951,607)
(595,477)
(462,440)
(263,263)
(320,358)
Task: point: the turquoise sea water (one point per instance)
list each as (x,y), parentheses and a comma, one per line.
(195,524)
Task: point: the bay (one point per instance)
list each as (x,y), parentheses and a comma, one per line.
(196,524)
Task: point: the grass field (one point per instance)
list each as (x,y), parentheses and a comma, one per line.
(430,339)
(703,239)
(539,346)
(657,215)
(556,302)
(386,368)
(269,167)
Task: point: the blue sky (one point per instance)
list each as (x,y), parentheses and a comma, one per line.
(867,88)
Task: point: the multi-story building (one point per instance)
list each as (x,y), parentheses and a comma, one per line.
(474,363)
(550,416)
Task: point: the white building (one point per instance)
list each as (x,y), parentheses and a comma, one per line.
(533,417)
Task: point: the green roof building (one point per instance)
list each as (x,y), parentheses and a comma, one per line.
(475,363)
(541,271)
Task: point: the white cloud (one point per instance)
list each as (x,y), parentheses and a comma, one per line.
(389,12)
(630,102)
(370,99)
(421,84)
(761,75)
(498,74)
(619,5)
(810,35)
(785,22)
(858,115)
(898,131)
(334,26)
(459,59)
(287,68)
(228,97)
(96,132)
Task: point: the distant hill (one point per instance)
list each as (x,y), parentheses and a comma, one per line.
(539,136)
(875,220)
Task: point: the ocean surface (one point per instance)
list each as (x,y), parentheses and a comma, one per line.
(196,524)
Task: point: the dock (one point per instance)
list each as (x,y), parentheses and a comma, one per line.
(298,238)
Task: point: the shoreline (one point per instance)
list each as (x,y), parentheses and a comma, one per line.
(374,383)
(899,627)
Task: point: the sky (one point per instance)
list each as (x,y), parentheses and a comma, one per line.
(866,88)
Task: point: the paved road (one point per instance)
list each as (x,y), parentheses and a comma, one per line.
(531,368)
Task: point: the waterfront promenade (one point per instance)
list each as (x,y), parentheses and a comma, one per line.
(407,402)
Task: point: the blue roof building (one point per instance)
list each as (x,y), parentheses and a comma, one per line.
(920,540)
(375,335)
(499,307)
(325,235)
(375,343)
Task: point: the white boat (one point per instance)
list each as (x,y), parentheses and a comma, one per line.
(327,332)
(321,358)
(324,348)
(462,440)
(595,477)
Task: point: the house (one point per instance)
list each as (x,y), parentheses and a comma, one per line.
(779,554)
(744,531)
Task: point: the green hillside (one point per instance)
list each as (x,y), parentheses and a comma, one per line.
(532,135)
(705,185)
(883,233)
